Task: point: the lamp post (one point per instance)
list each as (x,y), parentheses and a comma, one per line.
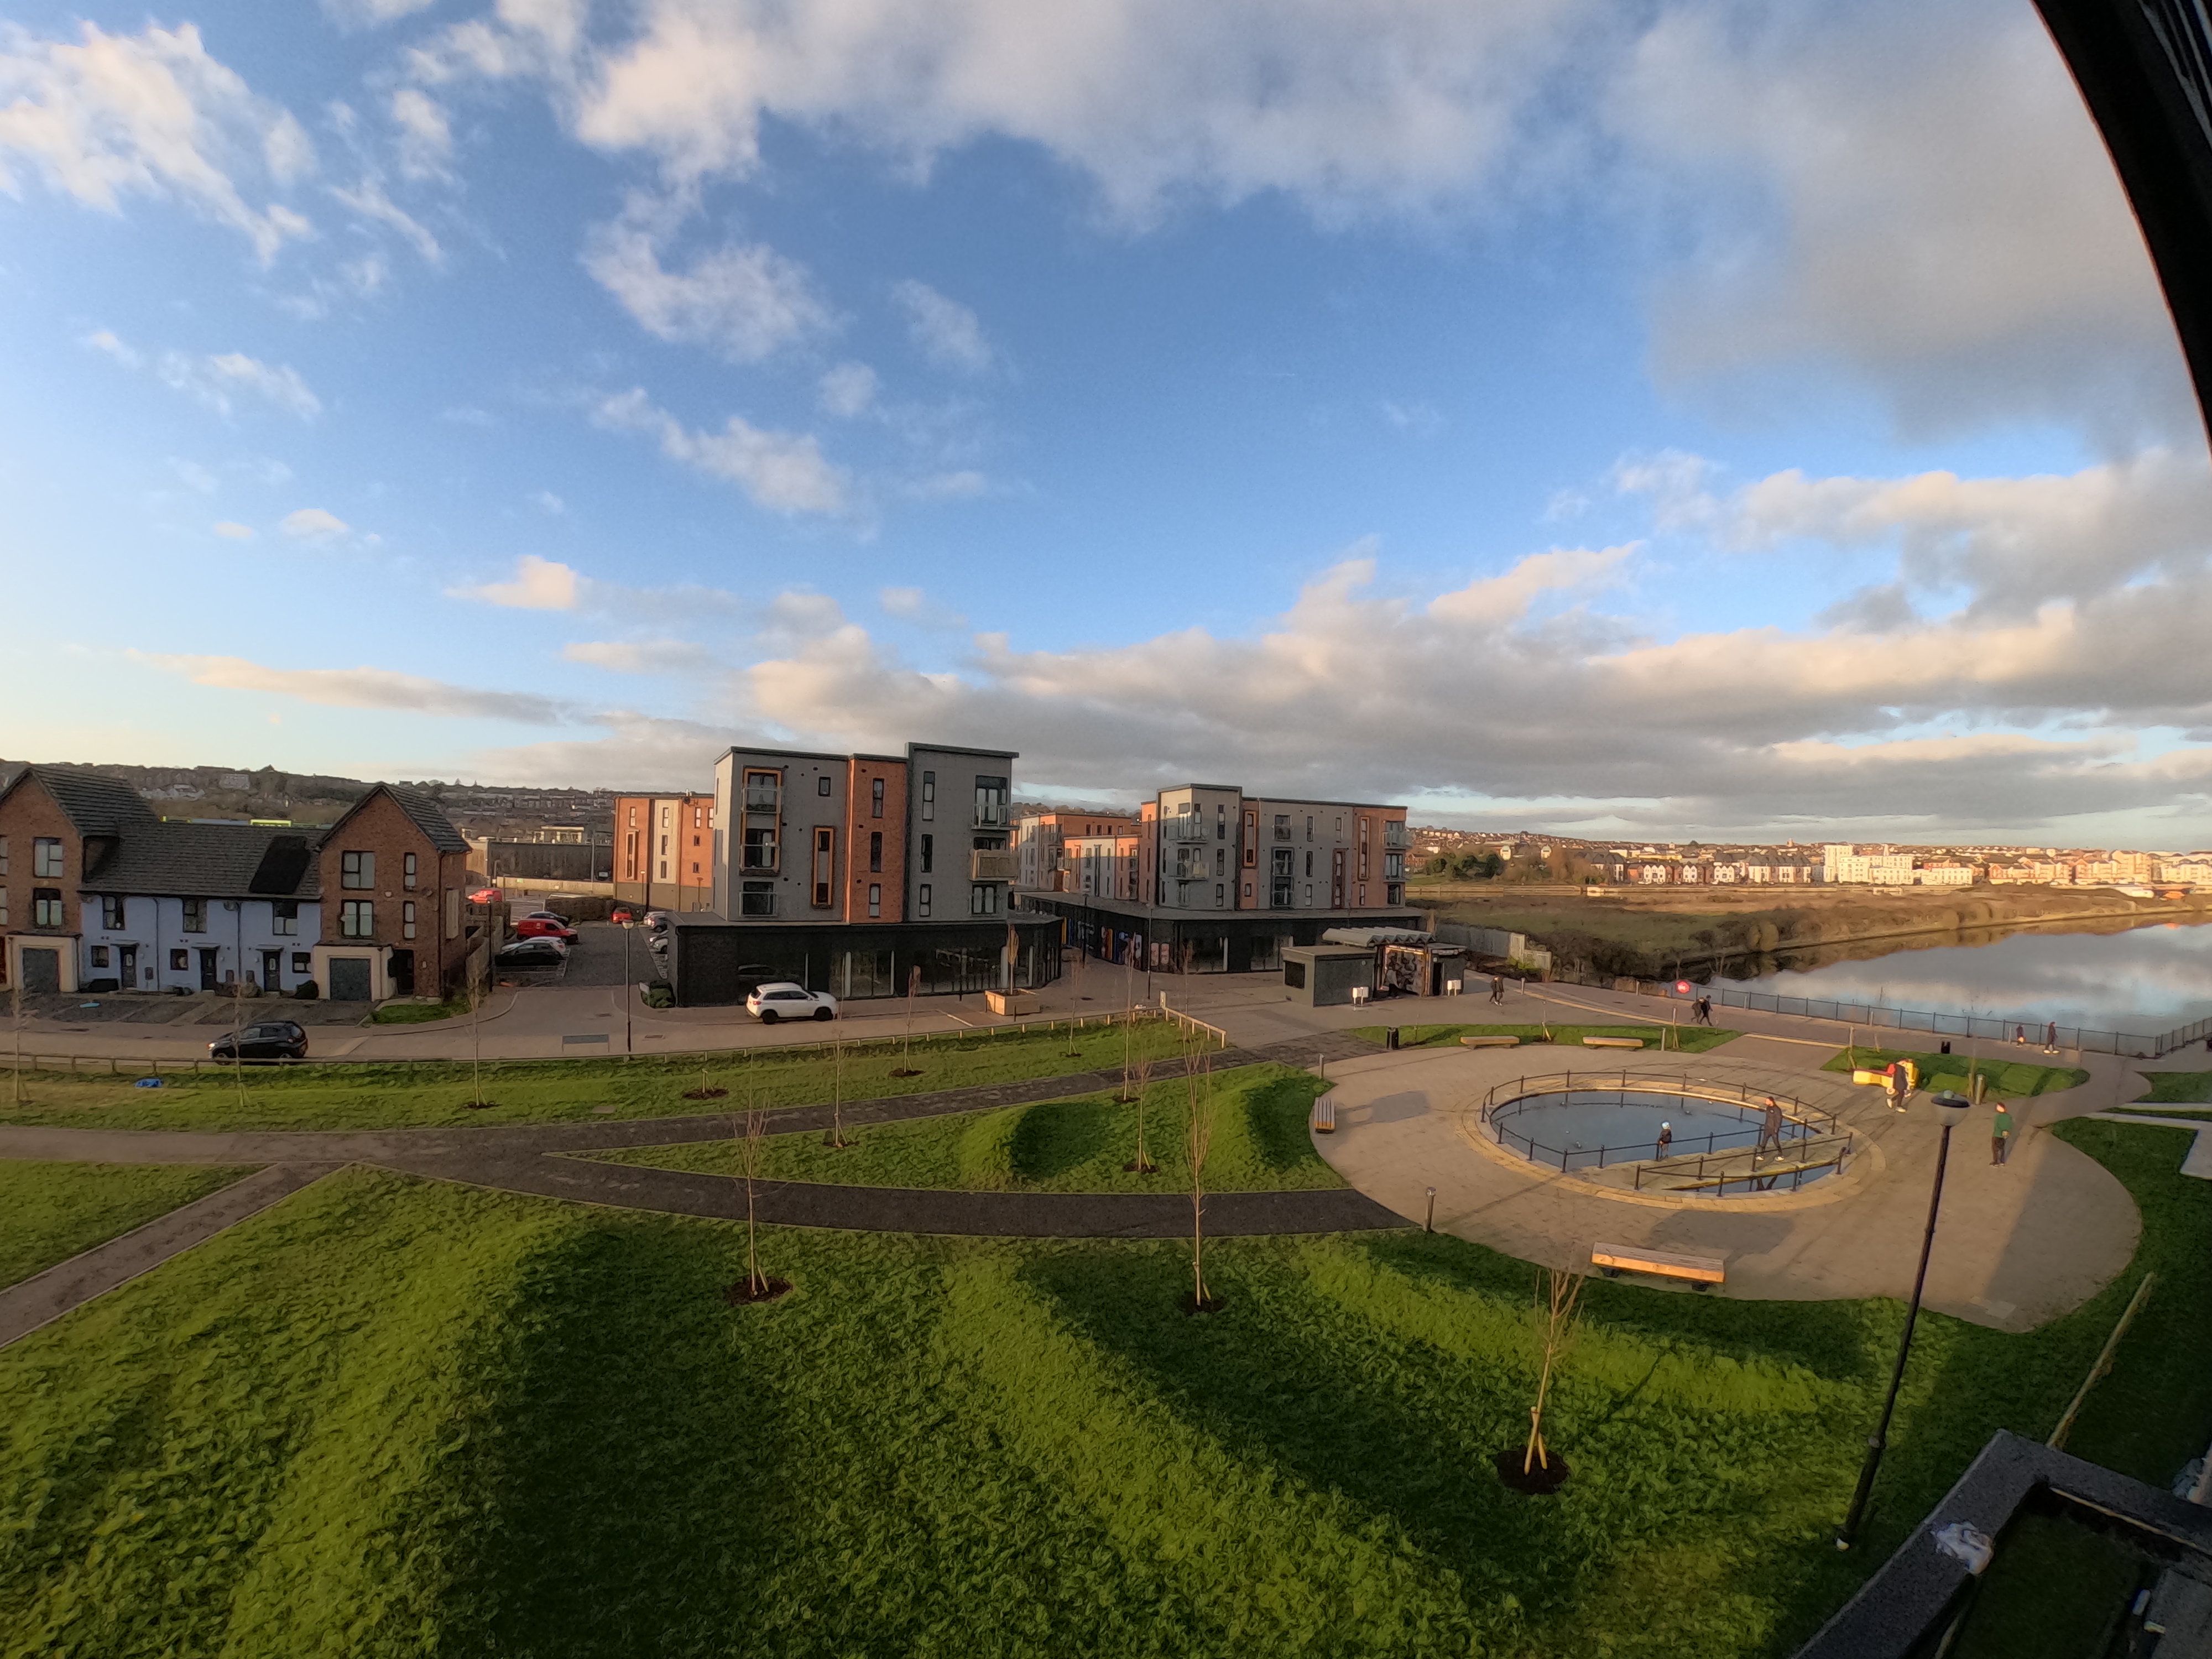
(1950,1111)
(628,990)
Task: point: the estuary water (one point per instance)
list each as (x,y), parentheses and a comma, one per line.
(2143,981)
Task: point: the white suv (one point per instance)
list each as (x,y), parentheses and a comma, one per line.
(782,999)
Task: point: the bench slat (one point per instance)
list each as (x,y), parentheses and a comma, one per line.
(1711,1269)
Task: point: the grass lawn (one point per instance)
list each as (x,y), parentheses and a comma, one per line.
(2179,1086)
(2011,1080)
(415,1013)
(49,1211)
(1259,1144)
(391,1417)
(1691,1039)
(365,1097)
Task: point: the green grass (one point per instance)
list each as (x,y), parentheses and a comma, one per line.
(401,1417)
(1259,1144)
(2009,1079)
(2179,1086)
(1690,1039)
(415,1013)
(49,1211)
(365,1097)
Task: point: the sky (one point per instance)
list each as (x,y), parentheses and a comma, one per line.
(1662,420)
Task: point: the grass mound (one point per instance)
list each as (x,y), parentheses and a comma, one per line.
(1078,1145)
(1690,1039)
(432,1093)
(2011,1080)
(396,1417)
(50,1212)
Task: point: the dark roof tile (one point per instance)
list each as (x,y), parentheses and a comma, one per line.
(208,860)
(95,804)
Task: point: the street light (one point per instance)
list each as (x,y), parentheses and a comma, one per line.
(1951,1111)
(628,923)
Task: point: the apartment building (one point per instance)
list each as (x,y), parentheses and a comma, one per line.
(99,895)
(665,849)
(1040,841)
(853,872)
(1104,866)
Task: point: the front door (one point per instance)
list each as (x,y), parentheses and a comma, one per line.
(126,972)
(208,955)
(348,979)
(272,971)
(403,972)
(42,969)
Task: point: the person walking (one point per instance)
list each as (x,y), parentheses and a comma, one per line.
(2051,1037)
(1497,987)
(1770,1130)
(1666,1138)
(2000,1133)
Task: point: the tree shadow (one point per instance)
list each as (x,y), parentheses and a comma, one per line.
(1053,1138)
(626,1477)
(1276,1112)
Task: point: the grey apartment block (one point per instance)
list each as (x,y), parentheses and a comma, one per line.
(1219,850)
(767,803)
(961,862)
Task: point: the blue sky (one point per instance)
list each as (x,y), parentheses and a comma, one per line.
(1688,420)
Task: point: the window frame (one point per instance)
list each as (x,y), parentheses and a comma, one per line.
(49,859)
(283,918)
(357,870)
(407,871)
(113,914)
(357,919)
(407,918)
(194,917)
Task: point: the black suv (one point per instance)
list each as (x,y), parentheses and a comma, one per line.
(268,1039)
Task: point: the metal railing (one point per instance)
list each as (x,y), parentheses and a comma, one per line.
(1506,1100)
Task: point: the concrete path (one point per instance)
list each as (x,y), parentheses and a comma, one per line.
(2017,1245)
(45,1297)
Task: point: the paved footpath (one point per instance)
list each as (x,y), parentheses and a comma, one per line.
(544,1159)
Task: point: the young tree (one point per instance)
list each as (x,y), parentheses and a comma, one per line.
(1197,1091)
(479,972)
(751,1135)
(1560,1291)
(15,1018)
(836,1094)
(238,1036)
(913,990)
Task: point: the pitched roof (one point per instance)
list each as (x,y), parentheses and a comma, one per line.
(209,861)
(423,812)
(94,804)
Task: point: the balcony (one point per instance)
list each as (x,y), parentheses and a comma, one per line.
(994,865)
(762,800)
(1283,832)
(1188,827)
(1394,834)
(759,855)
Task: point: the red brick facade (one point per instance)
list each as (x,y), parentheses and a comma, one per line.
(422,910)
(27,815)
(873,865)
(663,851)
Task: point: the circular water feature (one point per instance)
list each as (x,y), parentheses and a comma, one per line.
(1653,1136)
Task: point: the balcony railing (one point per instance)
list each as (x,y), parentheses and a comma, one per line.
(1188,827)
(758,799)
(759,855)
(1394,834)
(992,865)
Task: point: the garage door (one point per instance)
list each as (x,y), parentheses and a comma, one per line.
(42,969)
(348,979)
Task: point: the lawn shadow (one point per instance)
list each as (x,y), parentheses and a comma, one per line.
(1060,1136)
(1276,1112)
(621,1490)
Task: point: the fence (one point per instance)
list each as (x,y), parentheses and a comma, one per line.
(1497,1104)
(2086,1039)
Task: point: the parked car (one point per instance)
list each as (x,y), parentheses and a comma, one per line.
(268,1039)
(532,953)
(545,927)
(621,918)
(782,1000)
(657,919)
(543,915)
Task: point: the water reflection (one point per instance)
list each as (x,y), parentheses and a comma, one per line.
(2141,980)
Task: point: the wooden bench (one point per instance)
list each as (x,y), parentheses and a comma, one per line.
(1490,1042)
(1613,1042)
(1702,1271)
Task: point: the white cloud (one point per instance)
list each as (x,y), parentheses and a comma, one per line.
(1422,419)
(638,656)
(426,134)
(230,529)
(539,585)
(957,486)
(947,332)
(218,379)
(194,475)
(745,302)
(363,688)
(848,390)
(371,12)
(782,472)
(368,199)
(112,115)
(312,524)
(902,601)
(547,501)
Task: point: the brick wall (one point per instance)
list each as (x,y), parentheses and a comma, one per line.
(29,814)
(862,826)
(380,827)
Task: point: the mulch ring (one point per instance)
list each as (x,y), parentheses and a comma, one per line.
(745,1292)
(1213,1304)
(480,1105)
(706,1094)
(1541,1478)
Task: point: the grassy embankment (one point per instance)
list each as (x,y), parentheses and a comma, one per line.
(2179,1086)
(392,1417)
(49,1211)
(1259,1144)
(2008,1080)
(1689,1039)
(371,1097)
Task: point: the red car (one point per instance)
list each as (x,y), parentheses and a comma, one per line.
(621,918)
(543,927)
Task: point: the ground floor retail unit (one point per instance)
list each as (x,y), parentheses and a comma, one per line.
(1169,941)
(713,962)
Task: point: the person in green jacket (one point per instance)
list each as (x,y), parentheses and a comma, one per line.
(2000,1133)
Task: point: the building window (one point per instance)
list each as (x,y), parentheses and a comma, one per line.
(990,800)
(180,961)
(111,914)
(875,898)
(3,856)
(923,906)
(1394,896)
(667,813)
(1248,890)
(1220,896)
(195,916)
(929,797)
(356,919)
(757,898)
(47,857)
(302,963)
(876,798)
(407,870)
(99,955)
(875,851)
(284,916)
(1309,864)
(407,920)
(983,900)
(928,854)
(760,848)
(357,870)
(761,791)
(822,784)
(825,857)
(664,870)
